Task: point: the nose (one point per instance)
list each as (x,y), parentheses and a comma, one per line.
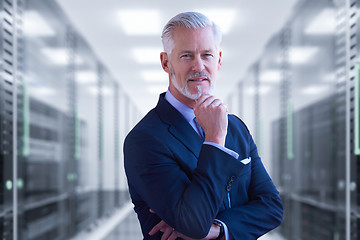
(198,64)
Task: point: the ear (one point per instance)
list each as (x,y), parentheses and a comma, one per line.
(164,58)
(220,58)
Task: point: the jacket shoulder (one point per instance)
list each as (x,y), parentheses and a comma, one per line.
(236,122)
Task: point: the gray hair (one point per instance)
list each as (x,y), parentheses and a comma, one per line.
(190,20)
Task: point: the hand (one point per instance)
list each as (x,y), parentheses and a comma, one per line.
(170,233)
(211,114)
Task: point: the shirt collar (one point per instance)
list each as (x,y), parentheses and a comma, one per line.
(187,112)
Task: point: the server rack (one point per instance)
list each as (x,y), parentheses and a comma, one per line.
(51,194)
(8,93)
(314,134)
(311,206)
(352,87)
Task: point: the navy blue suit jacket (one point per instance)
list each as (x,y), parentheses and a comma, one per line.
(186,182)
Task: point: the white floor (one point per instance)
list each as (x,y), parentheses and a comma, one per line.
(272,236)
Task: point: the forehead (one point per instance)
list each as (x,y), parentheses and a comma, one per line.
(193,39)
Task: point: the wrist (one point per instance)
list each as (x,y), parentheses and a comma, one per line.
(221,230)
(217,140)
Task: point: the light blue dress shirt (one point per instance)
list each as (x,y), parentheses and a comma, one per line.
(189,115)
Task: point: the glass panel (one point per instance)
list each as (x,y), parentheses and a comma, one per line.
(70,128)
(312,110)
(308,125)
(86,137)
(45,150)
(124,130)
(298,121)
(247,102)
(270,77)
(108,161)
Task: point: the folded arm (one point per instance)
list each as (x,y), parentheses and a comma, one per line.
(262,212)
(189,206)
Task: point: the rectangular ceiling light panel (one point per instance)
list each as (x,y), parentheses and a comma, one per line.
(140,22)
(154,75)
(323,24)
(36,26)
(147,55)
(270,76)
(301,55)
(224,18)
(59,56)
(86,77)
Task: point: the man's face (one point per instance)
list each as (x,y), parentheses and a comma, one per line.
(194,62)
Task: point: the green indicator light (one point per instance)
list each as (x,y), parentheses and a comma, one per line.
(356,110)
(290,131)
(20,183)
(9,185)
(101,150)
(77,135)
(26,121)
(71,177)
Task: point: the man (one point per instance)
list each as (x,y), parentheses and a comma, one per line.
(181,184)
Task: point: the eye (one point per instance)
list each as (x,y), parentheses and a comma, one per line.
(208,55)
(185,56)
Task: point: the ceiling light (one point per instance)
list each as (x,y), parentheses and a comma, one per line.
(42,91)
(330,77)
(262,90)
(157,89)
(140,22)
(36,26)
(147,55)
(270,76)
(59,56)
(106,91)
(85,77)
(324,23)
(154,76)
(314,89)
(300,55)
(224,18)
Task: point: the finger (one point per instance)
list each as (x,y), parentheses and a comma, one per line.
(152,211)
(173,236)
(157,227)
(225,107)
(205,102)
(216,103)
(202,98)
(208,101)
(168,231)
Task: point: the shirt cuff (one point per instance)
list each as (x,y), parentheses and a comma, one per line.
(228,235)
(228,151)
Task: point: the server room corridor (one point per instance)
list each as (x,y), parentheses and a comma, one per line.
(77,75)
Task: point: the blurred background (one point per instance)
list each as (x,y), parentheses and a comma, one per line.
(77,75)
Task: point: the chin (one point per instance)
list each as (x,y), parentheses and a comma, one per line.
(203,90)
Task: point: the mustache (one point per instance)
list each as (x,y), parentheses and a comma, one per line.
(198,74)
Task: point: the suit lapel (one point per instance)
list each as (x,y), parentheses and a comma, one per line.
(182,130)
(178,126)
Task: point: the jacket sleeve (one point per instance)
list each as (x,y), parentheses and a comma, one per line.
(262,212)
(187,204)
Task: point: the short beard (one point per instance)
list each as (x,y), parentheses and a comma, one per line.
(185,90)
